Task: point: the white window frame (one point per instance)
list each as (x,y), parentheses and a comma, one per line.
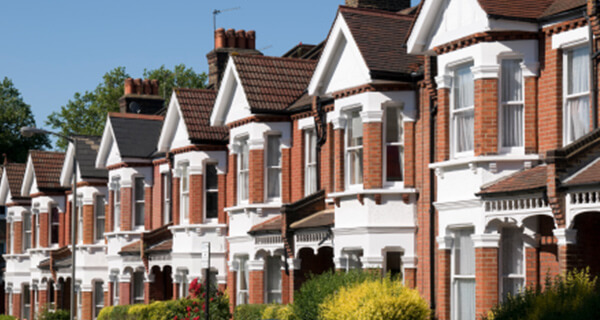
(184,193)
(12,240)
(35,215)
(272,167)
(116,291)
(348,150)
(207,191)
(453,276)
(26,290)
(138,202)
(134,285)
(453,113)
(270,291)
(243,174)
(27,234)
(166,197)
(386,183)
(184,284)
(79,218)
(502,274)
(116,188)
(96,307)
(349,254)
(52,223)
(566,96)
(242,295)
(502,104)
(97,218)
(310,167)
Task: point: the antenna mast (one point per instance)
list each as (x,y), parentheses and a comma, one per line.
(216,12)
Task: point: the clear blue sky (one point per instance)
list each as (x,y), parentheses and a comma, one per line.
(52,49)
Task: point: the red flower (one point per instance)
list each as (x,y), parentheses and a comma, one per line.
(189,308)
(196,309)
(196,318)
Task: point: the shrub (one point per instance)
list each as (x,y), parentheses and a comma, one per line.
(279,312)
(249,311)
(114,313)
(572,296)
(48,314)
(5,317)
(384,299)
(314,291)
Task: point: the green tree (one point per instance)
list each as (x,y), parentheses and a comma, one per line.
(86,112)
(14,114)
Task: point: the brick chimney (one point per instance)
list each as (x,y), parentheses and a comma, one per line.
(141,96)
(226,43)
(389,5)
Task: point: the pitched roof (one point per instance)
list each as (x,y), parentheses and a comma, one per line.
(15,173)
(562,6)
(47,166)
(87,151)
(526,180)
(380,38)
(590,174)
(272,83)
(196,106)
(273,224)
(528,9)
(136,135)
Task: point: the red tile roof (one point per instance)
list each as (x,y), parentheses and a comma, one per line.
(526,180)
(164,246)
(273,224)
(322,218)
(528,9)
(588,175)
(380,38)
(15,173)
(131,248)
(563,5)
(196,106)
(272,83)
(47,166)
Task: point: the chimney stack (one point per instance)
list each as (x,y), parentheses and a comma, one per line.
(388,5)
(227,42)
(141,96)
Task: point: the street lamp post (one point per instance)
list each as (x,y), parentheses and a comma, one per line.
(29,132)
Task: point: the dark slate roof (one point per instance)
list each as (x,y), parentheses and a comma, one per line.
(525,180)
(272,83)
(87,151)
(323,218)
(196,107)
(380,38)
(136,135)
(273,224)
(588,175)
(528,9)
(15,173)
(47,166)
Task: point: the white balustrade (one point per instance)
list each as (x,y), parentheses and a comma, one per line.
(520,204)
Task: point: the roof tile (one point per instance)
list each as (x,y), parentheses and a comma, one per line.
(196,107)
(530,179)
(47,166)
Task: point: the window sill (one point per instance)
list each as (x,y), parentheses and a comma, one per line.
(254,206)
(16,256)
(126,234)
(200,229)
(351,192)
(469,161)
(90,248)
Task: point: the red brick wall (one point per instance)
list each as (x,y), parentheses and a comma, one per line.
(409,154)
(297,163)
(287,287)
(196,198)
(327,161)
(486,117)
(550,99)
(86,305)
(286,183)
(231,199)
(257,287)
(110,216)
(443,285)
(108,296)
(222,181)
(372,161)
(126,209)
(531,267)
(43,300)
(124,293)
(339,159)
(442,134)
(531,114)
(410,277)
(486,278)
(157,196)
(44,228)
(175,200)
(88,224)
(148,292)
(18,237)
(148,208)
(175,290)
(231,289)
(17,305)
(257,176)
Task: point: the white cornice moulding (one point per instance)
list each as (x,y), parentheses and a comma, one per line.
(256,265)
(530,69)
(256,144)
(565,236)
(486,72)
(338,123)
(372,116)
(462,204)
(443,81)
(486,240)
(445,242)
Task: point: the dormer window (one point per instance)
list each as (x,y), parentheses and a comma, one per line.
(354,148)
(273,166)
(577,93)
(139,201)
(511,105)
(185,193)
(463,110)
(243,170)
(394,145)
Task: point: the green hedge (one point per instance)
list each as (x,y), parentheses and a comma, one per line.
(249,311)
(5,317)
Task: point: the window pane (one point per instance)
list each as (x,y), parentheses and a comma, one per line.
(273,150)
(464,253)
(166,191)
(393,125)
(512,125)
(139,189)
(138,287)
(464,124)
(578,110)
(55,219)
(579,68)
(211,177)
(355,164)
(464,93)
(511,286)
(185,206)
(465,295)
(100,217)
(394,158)
(243,184)
(185,179)
(393,263)
(274,182)
(139,214)
(355,129)
(512,251)
(512,79)
(98,298)
(244,153)
(212,205)
(274,279)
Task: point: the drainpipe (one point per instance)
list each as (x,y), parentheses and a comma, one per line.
(593,57)
(432,241)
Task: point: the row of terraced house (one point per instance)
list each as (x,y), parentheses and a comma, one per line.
(455,143)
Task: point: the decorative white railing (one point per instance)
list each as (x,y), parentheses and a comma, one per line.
(311,237)
(267,240)
(583,198)
(516,204)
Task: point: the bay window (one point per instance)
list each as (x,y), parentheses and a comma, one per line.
(463,275)
(394,144)
(166,194)
(310,161)
(137,288)
(79,218)
(26,230)
(463,110)
(211,187)
(185,193)
(54,224)
(243,276)
(139,201)
(99,217)
(512,260)
(511,105)
(577,94)
(354,148)
(36,222)
(273,279)
(116,187)
(273,166)
(243,170)
(98,298)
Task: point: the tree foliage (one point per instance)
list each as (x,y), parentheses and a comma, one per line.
(14,114)
(85,113)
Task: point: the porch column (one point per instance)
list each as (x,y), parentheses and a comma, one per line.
(443,277)
(257,281)
(86,302)
(287,281)
(232,271)
(531,244)
(486,271)
(125,289)
(148,281)
(567,248)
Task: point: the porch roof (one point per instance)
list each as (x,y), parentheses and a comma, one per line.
(323,218)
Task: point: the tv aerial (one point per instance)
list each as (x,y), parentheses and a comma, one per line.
(217,12)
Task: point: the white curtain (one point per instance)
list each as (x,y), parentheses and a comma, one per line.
(512,125)
(464,97)
(512,80)
(579,75)
(464,270)
(243,184)
(274,166)
(512,114)
(465,130)
(578,108)
(274,279)
(465,290)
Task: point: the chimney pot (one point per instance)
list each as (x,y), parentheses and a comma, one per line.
(251,39)
(230,38)
(147,87)
(240,37)
(128,86)
(137,86)
(219,38)
(154,83)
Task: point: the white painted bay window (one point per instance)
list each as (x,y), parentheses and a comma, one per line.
(79,218)
(116,187)
(511,105)
(137,288)
(463,110)
(98,298)
(512,262)
(99,218)
(139,201)
(26,230)
(211,187)
(463,275)
(394,145)
(184,181)
(354,148)
(54,224)
(243,171)
(166,198)
(577,94)
(310,161)
(243,276)
(36,222)
(273,166)
(273,279)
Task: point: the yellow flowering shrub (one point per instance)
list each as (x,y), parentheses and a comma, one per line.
(383,299)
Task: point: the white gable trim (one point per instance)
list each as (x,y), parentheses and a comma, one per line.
(223,103)
(340,35)
(66,174)
(108,139)
(171,125)
(422,27)
(28,179)
(4,188)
